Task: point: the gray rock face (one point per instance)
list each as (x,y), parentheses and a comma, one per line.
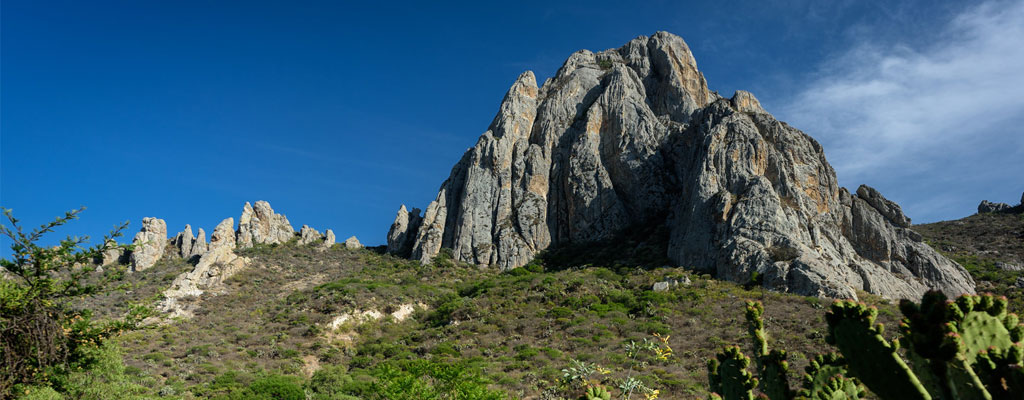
(309,235)
(888,209)
(990,207)
(633,136)
(149,243)
(260,225)
(353,243)
(402,234)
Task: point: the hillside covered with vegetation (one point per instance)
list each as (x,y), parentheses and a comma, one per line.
(303,322)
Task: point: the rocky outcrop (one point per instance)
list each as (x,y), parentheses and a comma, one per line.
(187,245)
(112,254)
(633,136)
(199,247)
(329,240)
(402,234)
(149,243)
(890,210)
(744,101)
(353,243)
(309,235)
(260,225)
(990,207)
(223,235)
(213,268)
(217,260)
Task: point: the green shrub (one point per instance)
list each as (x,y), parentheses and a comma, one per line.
(428,380)
(106,378)
(330,383)
(44,338)
(276,387)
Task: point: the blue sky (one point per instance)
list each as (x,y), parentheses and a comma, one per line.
(338,113)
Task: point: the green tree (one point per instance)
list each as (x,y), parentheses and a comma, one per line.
(42,337)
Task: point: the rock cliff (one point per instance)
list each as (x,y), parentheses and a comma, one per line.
(633,136)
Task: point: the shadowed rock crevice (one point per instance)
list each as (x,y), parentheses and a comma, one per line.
(630,134)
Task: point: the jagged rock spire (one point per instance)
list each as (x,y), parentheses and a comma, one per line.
(149,243)
(260,225)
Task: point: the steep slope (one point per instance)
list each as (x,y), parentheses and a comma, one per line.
(990,245)
(633,136)
(284,313)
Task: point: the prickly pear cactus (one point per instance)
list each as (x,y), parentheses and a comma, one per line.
(1002,371)
(824,380)
(729,376)
(871,358)
(771,365)
(982,323)
(596,393)
(935,350)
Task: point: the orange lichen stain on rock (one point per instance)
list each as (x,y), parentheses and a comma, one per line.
(810,187)
(528,91)
(759,162)
(594,126)
(689,77)
(538,185)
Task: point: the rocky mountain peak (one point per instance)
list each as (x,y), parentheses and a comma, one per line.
(633,136)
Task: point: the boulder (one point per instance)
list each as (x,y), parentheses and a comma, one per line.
(670,283)
(353,243)
(329,240)
(149,243)
(112,255)
(309,235)
(990,207)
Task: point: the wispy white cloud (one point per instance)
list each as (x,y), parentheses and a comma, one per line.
(937,127)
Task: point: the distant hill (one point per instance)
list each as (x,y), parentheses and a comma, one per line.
(990,245)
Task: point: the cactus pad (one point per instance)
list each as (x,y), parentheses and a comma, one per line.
(771,365)
(870,357)
(825,380)
(729,376)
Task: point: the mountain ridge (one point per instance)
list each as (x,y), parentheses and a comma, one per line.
(623,135)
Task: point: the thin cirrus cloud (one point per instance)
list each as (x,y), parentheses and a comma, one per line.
(936,128)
